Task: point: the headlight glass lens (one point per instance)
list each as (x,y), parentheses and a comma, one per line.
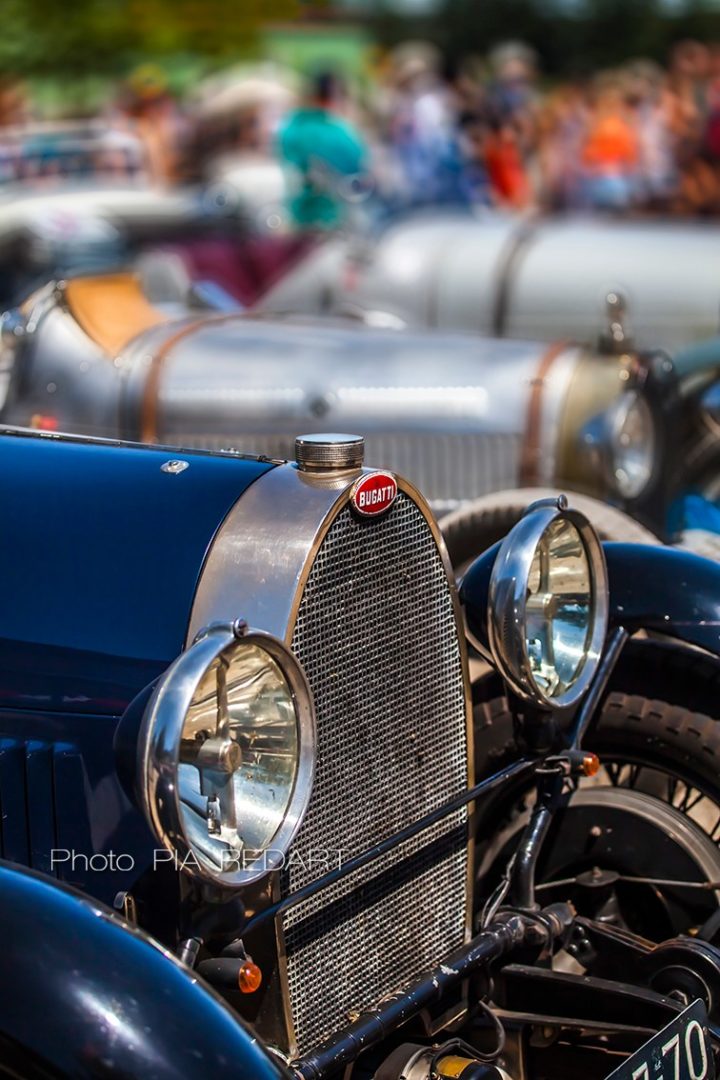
(632,434)
(559,609)
(239,753)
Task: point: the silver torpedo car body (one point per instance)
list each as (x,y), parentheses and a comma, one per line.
(458,415)
(519,278)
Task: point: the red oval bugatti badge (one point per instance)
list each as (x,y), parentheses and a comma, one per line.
(373,494)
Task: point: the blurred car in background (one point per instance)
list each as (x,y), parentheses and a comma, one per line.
(61,151)
(548,279)
(77,198)
(461,416)
(518,277)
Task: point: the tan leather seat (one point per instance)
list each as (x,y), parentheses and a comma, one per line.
(111,309)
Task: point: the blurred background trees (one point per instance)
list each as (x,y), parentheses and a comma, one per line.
(88,41)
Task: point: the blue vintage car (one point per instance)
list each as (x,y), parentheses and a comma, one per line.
(244,829)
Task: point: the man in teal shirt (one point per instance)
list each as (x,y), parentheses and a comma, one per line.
(327,156)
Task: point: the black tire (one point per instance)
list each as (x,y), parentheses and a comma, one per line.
(658,749)
(639,730)
(474,528)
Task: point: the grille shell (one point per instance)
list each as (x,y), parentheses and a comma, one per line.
(376,632)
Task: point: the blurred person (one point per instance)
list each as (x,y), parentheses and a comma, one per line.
(512,93)
(326,154)
(562,125)
(422,117)
(649,99)
(610,153)
(473,132)
(711,138)
(507,175)
(469,85)
(512,105)
(156,120)
(236,113)
(712,127)
(689,71)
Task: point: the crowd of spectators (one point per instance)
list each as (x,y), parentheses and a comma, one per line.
(495,131)
(640,138)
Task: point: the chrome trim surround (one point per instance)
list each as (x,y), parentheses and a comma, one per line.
(618,414)
(553,404)
(264,548)
(508,596)
(159,749)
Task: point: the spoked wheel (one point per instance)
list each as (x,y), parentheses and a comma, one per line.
(649,820)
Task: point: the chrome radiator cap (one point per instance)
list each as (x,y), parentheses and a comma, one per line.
(332,451)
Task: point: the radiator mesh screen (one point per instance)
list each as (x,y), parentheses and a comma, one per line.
(376,635)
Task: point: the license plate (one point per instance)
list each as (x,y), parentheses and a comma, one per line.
(681,1051)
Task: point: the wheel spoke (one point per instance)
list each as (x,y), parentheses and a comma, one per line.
(692,798)
(670,789)
(633,775)
(613,770)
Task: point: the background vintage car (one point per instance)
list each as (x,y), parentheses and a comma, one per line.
(532,277)
(459,416)
(547,279)
(78,197)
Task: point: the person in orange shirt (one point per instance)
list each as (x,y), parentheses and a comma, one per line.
(611,151)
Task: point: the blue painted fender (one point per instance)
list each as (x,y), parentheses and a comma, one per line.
(85,995)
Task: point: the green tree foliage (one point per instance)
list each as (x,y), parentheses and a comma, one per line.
(103,36)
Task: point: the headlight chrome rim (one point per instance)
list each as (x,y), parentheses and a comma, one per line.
(507,602)
(629,487)
(600,448)
(159,751)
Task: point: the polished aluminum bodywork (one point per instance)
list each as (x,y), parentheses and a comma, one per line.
(123,204)
(519,278)
(447,411)
(459,416)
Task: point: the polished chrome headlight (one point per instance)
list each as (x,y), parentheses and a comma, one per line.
(621,444)
(548,605)
(632,444)
(227,752)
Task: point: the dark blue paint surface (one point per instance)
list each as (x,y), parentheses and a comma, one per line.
(92,998)
(665,590)
(100,553)
(63,803)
